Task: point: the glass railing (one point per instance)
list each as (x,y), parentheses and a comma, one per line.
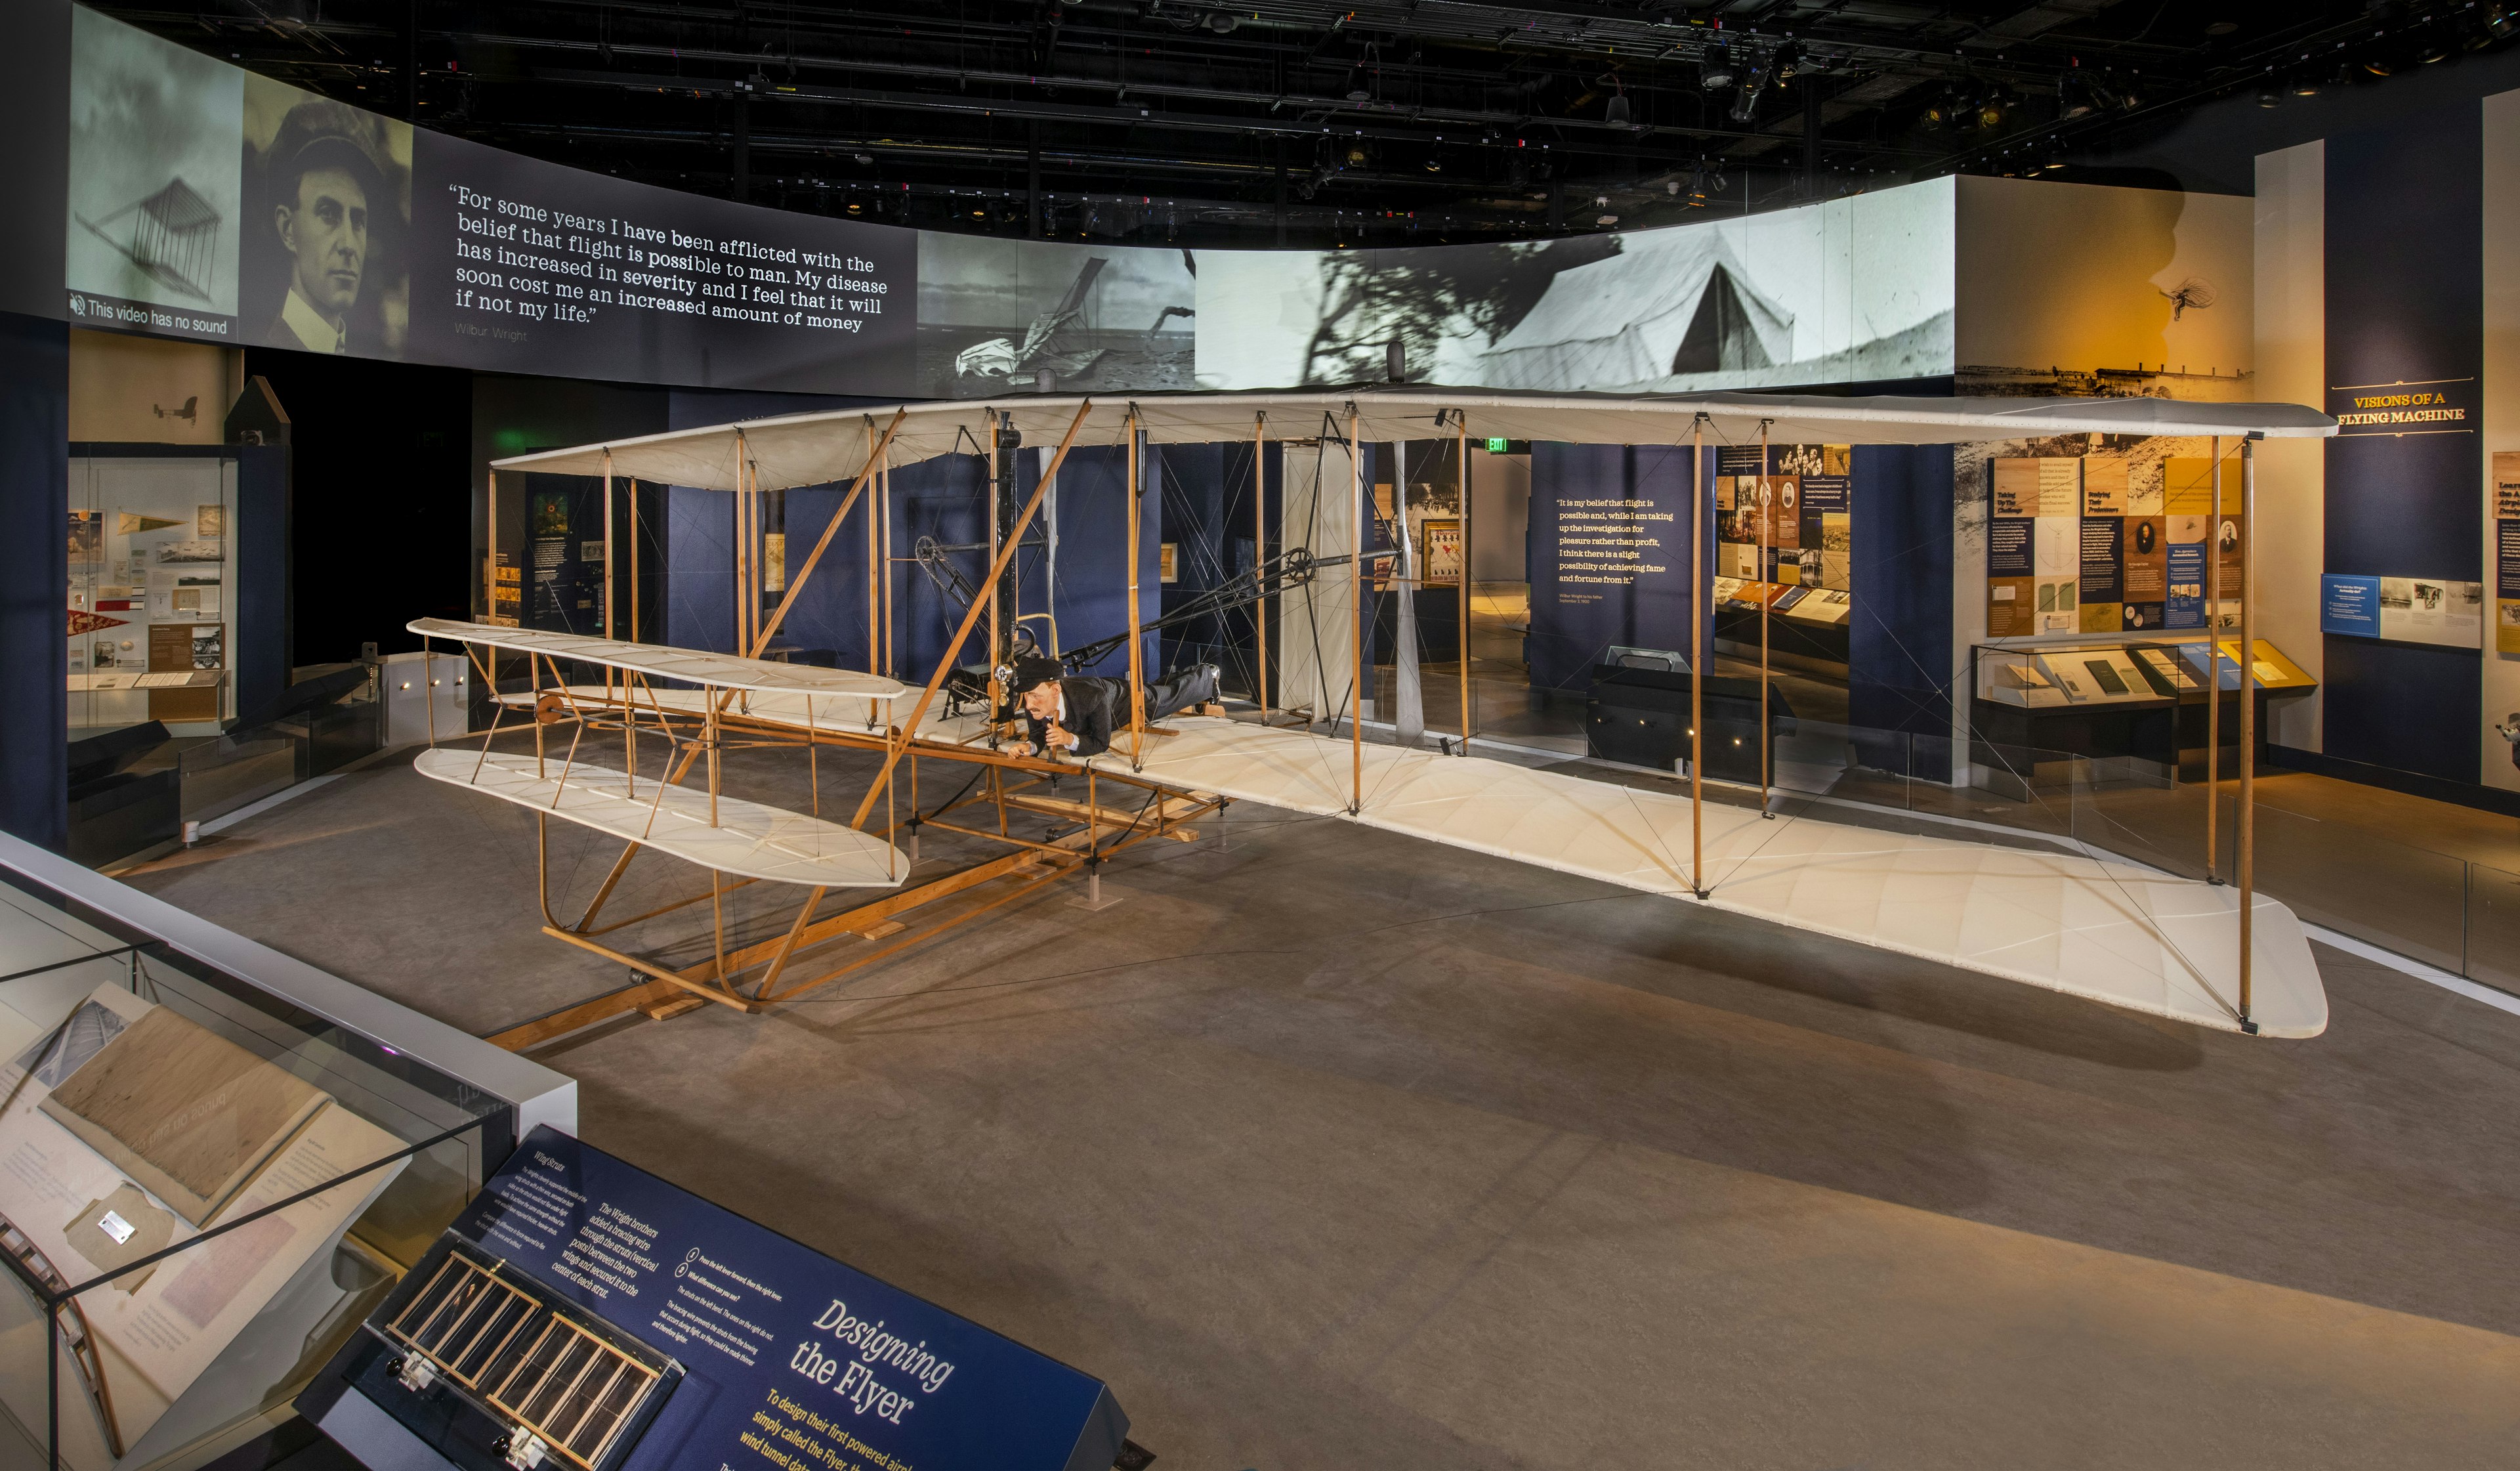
(238,769)
(216,775)
(2442,910)
(2413,901)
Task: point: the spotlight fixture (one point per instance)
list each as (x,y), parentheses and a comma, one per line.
(1990,114)
(2502,21)
(1222,21)
(1746,100)
(1715,72)
(2305,85)
(2270,96)
(1616,114)
(1359,88)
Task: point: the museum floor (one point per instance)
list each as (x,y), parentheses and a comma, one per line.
(1329,1148)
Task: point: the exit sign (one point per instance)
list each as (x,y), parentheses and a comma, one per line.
(1508,446)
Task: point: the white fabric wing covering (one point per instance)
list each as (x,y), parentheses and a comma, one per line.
(820,448)
(725,833)
(2105,931)
(664,661)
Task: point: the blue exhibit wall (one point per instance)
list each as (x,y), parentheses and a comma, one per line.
(696,542)
(1901,664)
(1900,660)
(2405,302)
(947,499)
(1208,517)
(1092,599)
(34,580)
(1587,595)
(35,429)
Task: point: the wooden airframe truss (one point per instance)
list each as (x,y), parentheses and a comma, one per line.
(704,705)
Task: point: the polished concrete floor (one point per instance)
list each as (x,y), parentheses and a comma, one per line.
(1329,1149)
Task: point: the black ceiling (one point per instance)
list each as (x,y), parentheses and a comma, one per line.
(1376,123)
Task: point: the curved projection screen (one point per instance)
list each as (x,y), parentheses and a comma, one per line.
(211,203)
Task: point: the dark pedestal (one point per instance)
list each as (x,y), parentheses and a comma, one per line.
(1640,717)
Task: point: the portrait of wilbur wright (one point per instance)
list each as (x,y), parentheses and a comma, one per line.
(325,226)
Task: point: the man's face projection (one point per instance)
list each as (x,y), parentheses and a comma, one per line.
(326,230)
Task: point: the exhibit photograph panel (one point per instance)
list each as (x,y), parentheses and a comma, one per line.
(2112,543)
(222,206)
(1848,290)
(155,205)
(996,314)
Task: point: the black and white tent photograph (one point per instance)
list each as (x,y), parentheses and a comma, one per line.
(1771,301)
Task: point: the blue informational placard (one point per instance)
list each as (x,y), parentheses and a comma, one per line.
(2349,604)
(791,1360)
(1608,549)
(2183,598)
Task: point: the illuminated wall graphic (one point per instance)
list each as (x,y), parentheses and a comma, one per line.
(212,204)
(1850,290)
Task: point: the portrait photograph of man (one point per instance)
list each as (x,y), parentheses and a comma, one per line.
(329,210)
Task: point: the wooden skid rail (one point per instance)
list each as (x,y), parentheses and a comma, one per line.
(753,977)
(928,910)
(964,897)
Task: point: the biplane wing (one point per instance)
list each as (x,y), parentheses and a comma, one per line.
(725,833)
(2102,928)
(664,661)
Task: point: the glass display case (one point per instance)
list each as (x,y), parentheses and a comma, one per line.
(207,1187)
(152,584)
(2136,708)
(2269,669)
(2081,675)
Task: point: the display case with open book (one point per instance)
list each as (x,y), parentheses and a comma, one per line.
(203,1188)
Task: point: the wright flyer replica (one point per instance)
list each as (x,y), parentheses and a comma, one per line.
(634,742)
